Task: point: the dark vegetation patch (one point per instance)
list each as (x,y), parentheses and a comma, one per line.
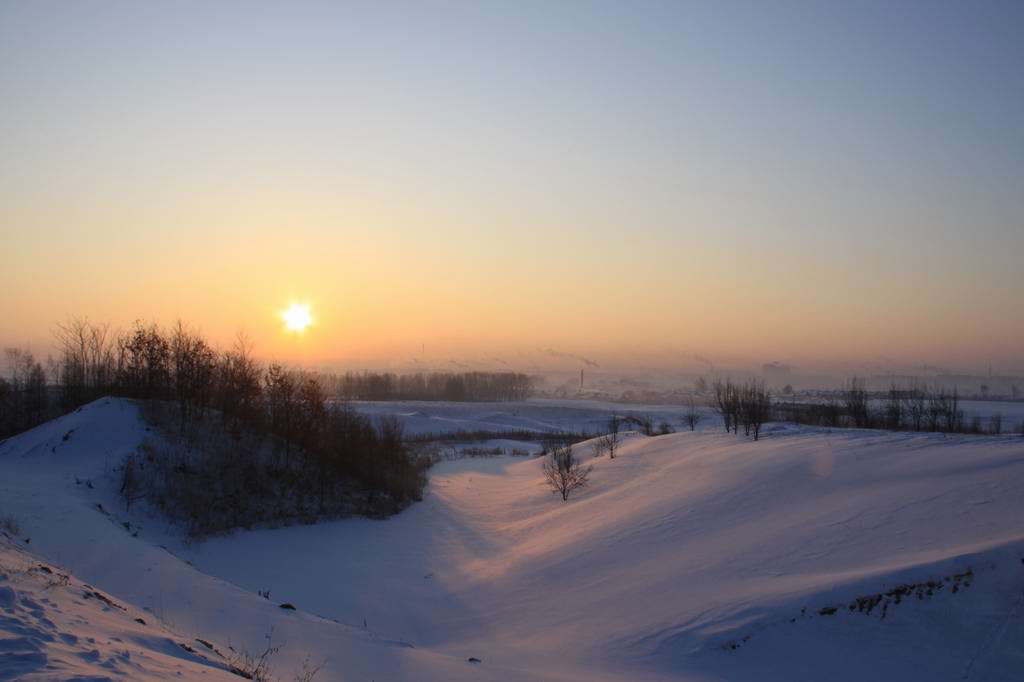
(431,386)
(214,478)
(881,602)
(99,596)
(910,408)
(477,435)
(235,443)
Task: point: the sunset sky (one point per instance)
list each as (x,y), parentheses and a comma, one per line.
(797,181)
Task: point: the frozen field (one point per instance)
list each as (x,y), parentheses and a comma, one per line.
(842,555)
(578,416)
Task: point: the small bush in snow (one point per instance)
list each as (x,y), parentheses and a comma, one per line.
(692,416)
(254,666)
(610,441)
(564,473)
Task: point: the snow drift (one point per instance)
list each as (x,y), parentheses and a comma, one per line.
(692,556)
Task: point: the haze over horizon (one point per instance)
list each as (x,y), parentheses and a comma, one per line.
(648,183)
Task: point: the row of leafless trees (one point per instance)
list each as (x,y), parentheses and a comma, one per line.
(465,386)
(24,397)
(748,405)
(912,408)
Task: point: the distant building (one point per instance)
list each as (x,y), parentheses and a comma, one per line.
(776,373)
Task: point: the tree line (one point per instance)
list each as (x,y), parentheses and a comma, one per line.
(24,396)
(748,405)
(463,387)
(911,408)
(243,442)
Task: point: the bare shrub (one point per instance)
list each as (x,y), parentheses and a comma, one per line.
(914,406)
(692,416)
(855,400)
(943,412)
(308,671)
(755,407)
(255,666)
(564,473)
(130,484)
(894,409)
(610,441)
(606,443)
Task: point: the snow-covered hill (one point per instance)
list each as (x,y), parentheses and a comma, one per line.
(53,626)
(809,555)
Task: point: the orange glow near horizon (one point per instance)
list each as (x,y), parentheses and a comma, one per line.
(631,206)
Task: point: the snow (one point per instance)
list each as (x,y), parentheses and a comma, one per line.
(540,415)
(691,556)
(54,627)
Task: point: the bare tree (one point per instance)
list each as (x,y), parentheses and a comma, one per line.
(725,403)
(954,417)
(564,473)
(914,406)
(238,383)
(130,485)
(692,416)
(282,406)
(832,411)
(87,363)
(855,399)
(143,362)
(25,402)
(192,365)
(943,412)
(755,407)
(610,441)
(894,409)
(6,409)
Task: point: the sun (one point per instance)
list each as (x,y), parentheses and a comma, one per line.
(297,317)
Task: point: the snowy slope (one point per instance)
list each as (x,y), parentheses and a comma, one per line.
(692,556)
(45,478)
(54,627)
